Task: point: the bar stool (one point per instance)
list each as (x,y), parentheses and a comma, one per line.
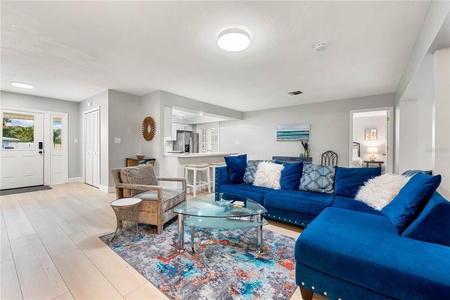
(213,167)
(195,168)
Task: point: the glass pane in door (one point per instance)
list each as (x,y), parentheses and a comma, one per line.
(18,131)
(57,128)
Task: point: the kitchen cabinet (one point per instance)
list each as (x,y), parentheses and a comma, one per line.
(170,131)
(182,127)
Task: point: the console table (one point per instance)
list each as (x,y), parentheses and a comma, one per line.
(132,162)
(373,162)
(291,159)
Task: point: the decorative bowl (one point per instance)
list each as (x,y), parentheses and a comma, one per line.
(140,156)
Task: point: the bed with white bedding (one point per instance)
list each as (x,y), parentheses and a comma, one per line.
(357,161)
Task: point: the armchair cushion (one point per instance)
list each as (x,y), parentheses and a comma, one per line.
(137,175)
(170,197)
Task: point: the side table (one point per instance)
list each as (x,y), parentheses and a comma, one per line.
(126,211)
(367,162)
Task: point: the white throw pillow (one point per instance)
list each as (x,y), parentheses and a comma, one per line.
(268,175)
(381,190)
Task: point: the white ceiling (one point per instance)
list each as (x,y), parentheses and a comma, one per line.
(75,49)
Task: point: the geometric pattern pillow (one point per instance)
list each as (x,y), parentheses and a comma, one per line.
(317,178)
(250,171)
(411,173)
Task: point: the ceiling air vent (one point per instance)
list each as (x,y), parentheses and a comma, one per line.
(295,93)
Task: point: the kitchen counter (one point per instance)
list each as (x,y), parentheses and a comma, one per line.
(175,162)
(192,155)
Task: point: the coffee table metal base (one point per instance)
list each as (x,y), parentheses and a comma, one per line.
(259,234)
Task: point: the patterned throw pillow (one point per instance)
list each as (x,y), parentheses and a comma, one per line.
(411,173)
(250,171)
(317,178)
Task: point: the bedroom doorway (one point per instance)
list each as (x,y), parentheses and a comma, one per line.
(371,138)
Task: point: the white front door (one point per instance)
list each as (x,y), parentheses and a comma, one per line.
(22,153)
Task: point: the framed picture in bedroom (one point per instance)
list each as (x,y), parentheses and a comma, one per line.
(293,132)
(370,134)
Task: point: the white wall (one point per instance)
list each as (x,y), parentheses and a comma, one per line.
(21,101)
(256,133)
(360,124)
(416,135)
(442,118)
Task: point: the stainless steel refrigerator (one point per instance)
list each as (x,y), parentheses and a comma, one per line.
(187,142)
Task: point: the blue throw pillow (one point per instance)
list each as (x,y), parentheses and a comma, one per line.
(290,176)
(411,199)
(317,178)
(349,180)
(236,167)
(433,223)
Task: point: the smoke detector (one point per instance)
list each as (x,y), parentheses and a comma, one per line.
(320,46)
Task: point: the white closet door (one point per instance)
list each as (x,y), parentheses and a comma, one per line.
(91,148)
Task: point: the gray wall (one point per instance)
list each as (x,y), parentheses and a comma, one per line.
(330,121)
(18,101)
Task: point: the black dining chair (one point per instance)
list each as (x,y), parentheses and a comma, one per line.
(329,158)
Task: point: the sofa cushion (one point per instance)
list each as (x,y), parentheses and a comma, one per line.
(381,190)
(352,204)
(433,223)
(411,199)
(349,180)
(236,167)
(255,193)
(290,176)
(268,175)
(317,178)
(366,250)
(137,175)
(298,201)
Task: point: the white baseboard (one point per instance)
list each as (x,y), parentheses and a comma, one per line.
(106,189)
(76,179)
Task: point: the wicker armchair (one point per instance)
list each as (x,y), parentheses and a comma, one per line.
(157,202)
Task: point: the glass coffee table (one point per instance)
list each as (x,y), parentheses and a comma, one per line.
(220,212)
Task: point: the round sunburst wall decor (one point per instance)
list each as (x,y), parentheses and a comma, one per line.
(148,128)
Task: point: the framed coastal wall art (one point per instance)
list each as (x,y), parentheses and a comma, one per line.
(293,132)
(370,134)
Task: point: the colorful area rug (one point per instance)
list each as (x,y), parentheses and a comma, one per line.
(225,265)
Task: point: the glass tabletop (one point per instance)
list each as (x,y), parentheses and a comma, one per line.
(209,206)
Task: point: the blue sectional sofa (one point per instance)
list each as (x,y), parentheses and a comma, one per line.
(301,207)
(351,251)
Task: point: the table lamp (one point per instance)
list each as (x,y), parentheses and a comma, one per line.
(373,151)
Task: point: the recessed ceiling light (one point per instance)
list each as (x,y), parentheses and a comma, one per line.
(233,40)
(22,85)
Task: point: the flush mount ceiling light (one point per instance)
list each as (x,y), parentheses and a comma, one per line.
(320,46)
(22,85)
(233,40)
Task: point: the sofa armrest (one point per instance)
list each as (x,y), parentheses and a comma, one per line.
(182,180)
(221,177)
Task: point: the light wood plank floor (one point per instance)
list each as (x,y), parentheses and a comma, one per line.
(50,247)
